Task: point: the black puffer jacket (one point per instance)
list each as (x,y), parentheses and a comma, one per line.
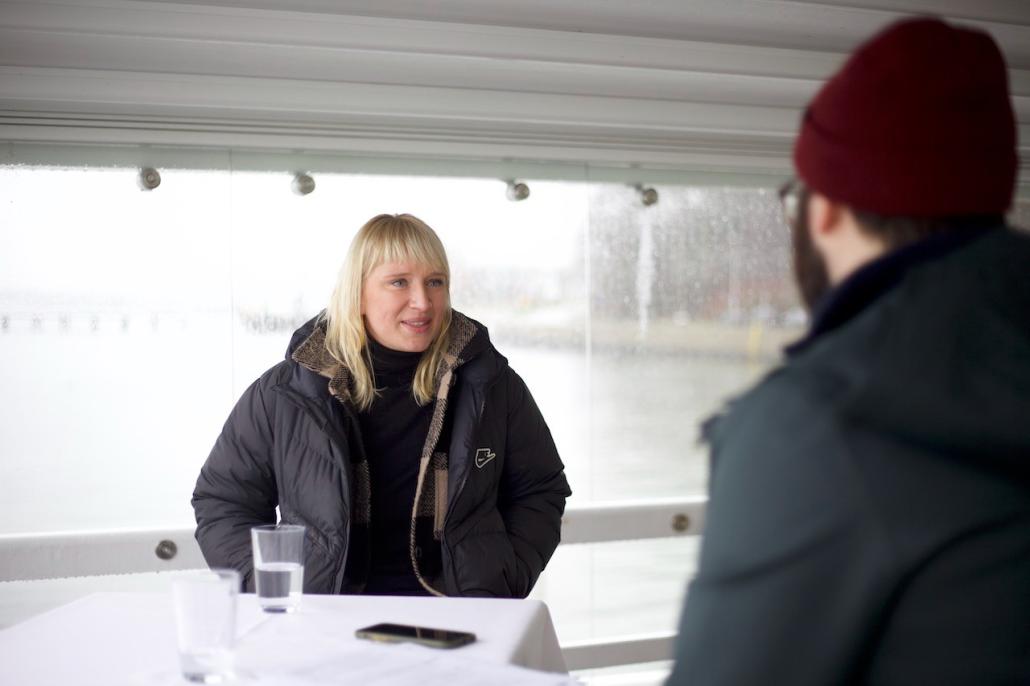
(491,489)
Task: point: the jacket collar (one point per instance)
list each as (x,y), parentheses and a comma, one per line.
(312,353)
(871,282)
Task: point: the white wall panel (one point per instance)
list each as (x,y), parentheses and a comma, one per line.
(709,85)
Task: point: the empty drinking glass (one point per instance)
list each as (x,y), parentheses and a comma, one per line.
(278,565)
(205,620)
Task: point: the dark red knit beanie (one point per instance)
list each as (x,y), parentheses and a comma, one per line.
(917,123)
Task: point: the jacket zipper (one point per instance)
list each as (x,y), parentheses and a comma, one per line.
(466,472)
(468,466)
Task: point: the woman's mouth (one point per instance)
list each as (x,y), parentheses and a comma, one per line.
(417,326)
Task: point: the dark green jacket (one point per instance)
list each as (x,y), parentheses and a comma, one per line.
(869,519)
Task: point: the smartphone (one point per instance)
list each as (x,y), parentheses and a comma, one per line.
(397,633)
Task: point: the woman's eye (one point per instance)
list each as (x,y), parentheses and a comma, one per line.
(399,283)
(435,283)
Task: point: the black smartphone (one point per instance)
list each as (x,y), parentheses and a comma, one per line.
(397,633)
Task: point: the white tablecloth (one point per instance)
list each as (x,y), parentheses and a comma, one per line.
(129,638)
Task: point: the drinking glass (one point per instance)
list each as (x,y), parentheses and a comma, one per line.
(278,565)
(205,620)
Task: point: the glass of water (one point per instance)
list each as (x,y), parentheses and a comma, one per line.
(205,620)
(278,565)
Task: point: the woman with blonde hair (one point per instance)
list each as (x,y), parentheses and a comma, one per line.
(396,434)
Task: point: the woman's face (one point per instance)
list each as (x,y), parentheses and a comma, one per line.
(404,305)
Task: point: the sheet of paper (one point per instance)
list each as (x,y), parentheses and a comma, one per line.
(393,665)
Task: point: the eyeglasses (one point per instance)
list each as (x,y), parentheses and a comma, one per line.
(790,199)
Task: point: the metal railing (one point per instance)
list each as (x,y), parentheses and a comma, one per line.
(26,557)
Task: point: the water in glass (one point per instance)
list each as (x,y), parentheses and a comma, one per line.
(279,585)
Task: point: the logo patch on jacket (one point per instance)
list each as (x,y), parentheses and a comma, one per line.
(484,455)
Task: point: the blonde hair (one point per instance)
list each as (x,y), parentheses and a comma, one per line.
(383,238)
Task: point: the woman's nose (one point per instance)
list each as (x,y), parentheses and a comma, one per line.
(419,297)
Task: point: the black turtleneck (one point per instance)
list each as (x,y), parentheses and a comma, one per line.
(393,430)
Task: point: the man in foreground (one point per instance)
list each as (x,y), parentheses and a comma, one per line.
(869,519)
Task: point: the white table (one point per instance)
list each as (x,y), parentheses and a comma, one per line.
(129,638)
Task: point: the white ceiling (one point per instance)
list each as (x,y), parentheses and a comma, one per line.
(827,25)
(704,85)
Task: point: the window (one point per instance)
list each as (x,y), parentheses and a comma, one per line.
(115,344)
(131,320)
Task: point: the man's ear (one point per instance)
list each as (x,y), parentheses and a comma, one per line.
(824,215)
(838,238)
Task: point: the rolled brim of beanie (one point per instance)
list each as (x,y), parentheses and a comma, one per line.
(953,178)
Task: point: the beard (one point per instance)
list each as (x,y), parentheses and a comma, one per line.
(810,271)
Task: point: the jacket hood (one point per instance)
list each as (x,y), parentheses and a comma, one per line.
(942,360)
(468,341)
(304,332)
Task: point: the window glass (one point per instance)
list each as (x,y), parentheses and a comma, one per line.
(114,345)
(130,321)
(595,591)
(690,302)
